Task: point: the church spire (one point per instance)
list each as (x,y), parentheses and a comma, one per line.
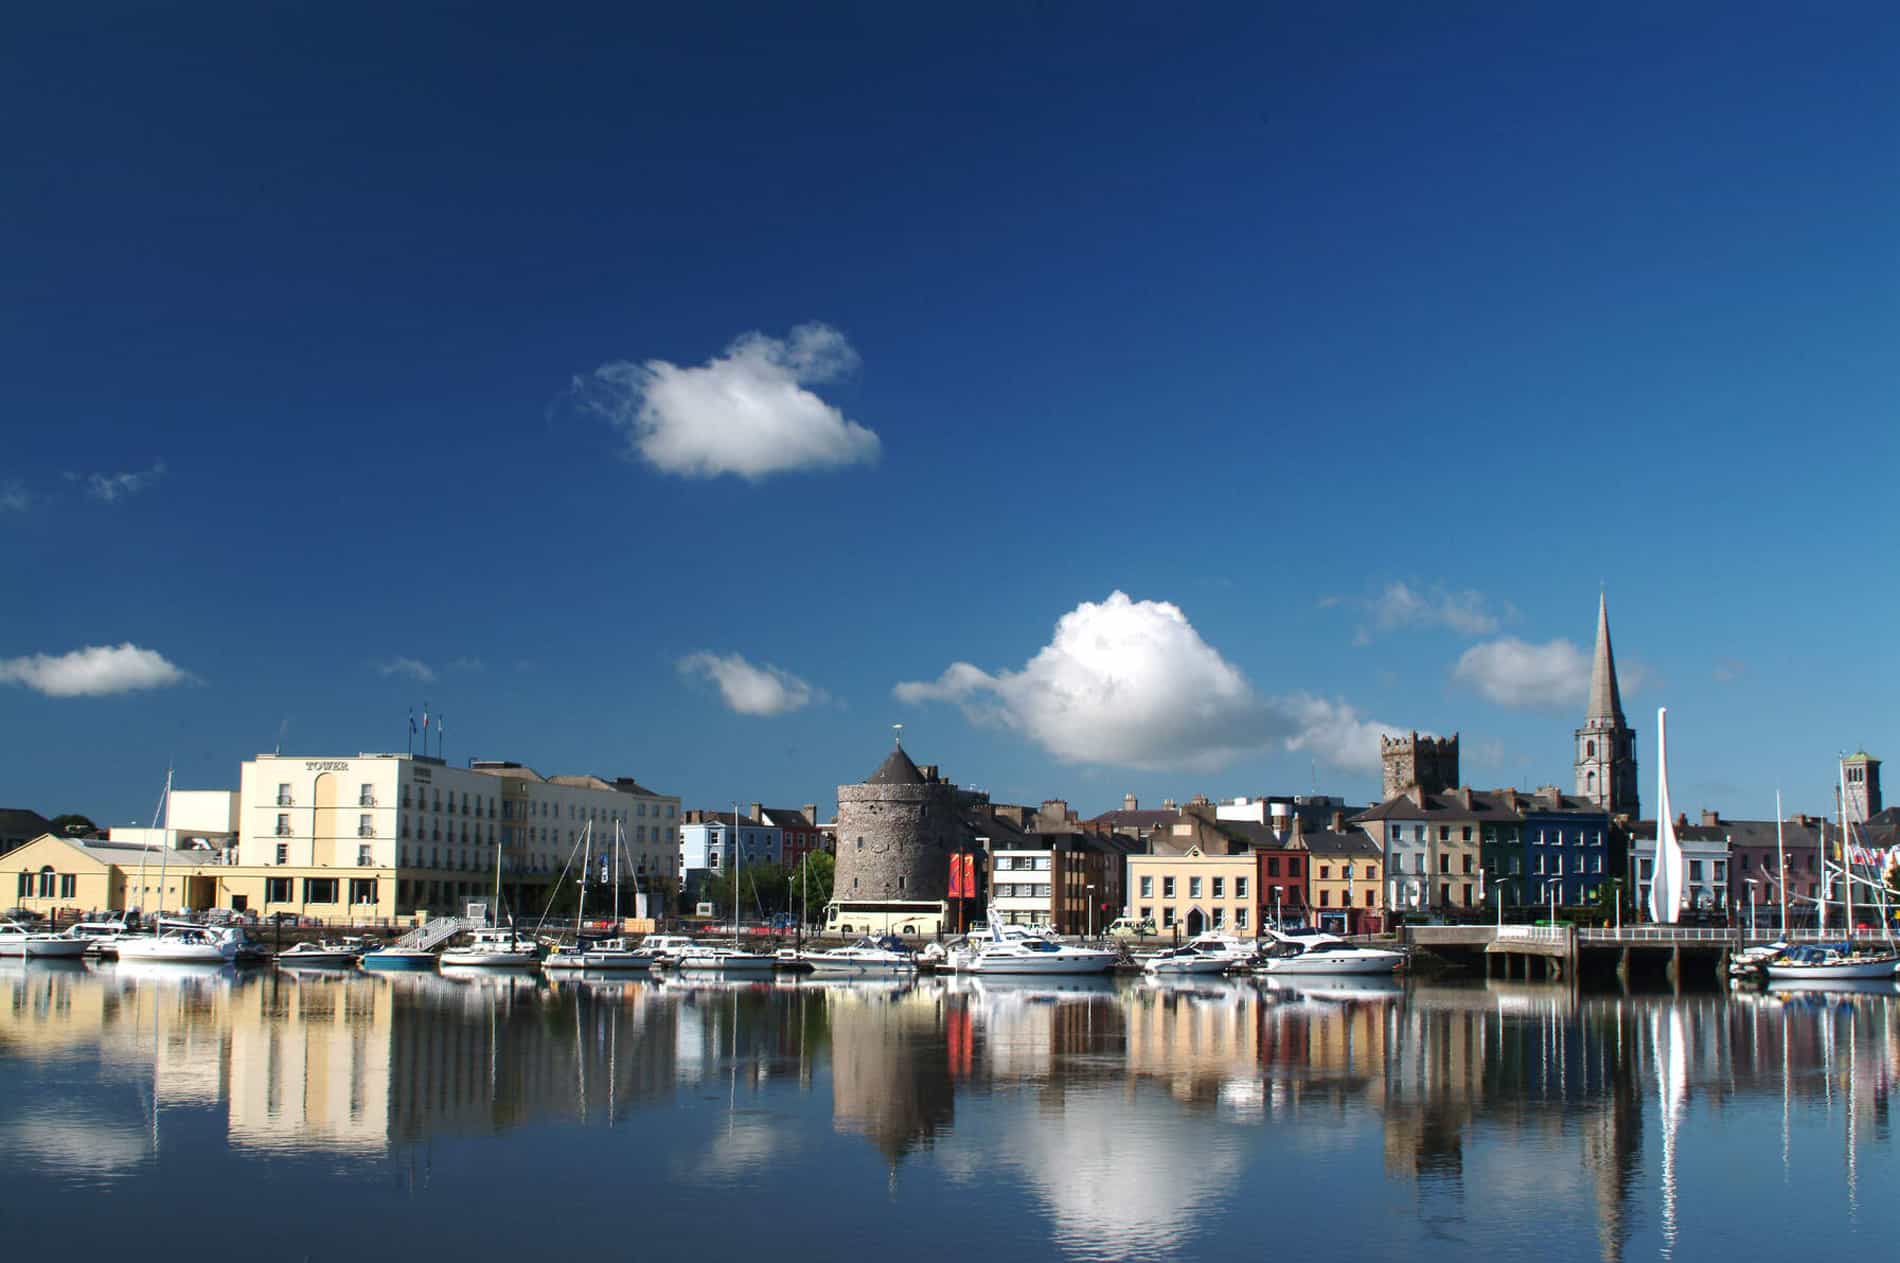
(1606,701)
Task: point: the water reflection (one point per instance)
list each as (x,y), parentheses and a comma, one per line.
(1126,1120)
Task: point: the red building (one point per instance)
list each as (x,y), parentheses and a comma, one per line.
(798,830)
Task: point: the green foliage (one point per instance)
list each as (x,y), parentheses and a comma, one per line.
(819,868)
(762,891)
(73,825)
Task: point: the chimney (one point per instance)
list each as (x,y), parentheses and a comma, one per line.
(1464,796)
(811,812)
(758,811)
(1130,803)
(1711,819)
(930,772)
(1339,818)
(1167,804)
(1682,820)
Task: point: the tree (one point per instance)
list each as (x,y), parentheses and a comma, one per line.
(762,891)
(819,868)
(73,825)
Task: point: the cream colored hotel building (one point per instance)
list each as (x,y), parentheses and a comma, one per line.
(376,836)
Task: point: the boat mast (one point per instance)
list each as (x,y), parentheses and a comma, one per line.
(1781,867)
(737,869)
(616,867)
(1847,859)
(587,859)
(1820,903)
(511,920)
(163,850)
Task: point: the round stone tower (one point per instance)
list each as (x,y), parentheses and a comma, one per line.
(896,833)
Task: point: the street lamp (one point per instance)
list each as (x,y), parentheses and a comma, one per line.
(1750,881)
(1553,885)
(1499,883)
(1091,890)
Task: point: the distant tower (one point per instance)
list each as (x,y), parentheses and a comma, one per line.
(1606,746)
(1862,773)
(1431,763)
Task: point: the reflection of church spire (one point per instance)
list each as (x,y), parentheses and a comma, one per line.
(1612,1144)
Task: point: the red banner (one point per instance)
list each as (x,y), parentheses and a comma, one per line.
(963,876)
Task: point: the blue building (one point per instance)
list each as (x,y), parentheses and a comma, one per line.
(1567,842)
(707,839)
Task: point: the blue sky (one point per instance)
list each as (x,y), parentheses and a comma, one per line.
(615,369)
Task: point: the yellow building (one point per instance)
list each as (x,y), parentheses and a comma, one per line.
(57,876)
(1346,892)
(1196,891)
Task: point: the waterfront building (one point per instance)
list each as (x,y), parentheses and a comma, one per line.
(1139,824)
(1756,871)
(1344,883)
(1195,892)
(52,874)
(1705,866)
(708,839)
(1606,745)
(1569,846)
(799,834)
(1045,868)
(370,838)
(896,832)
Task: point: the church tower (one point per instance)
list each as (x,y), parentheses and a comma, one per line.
(1606,747)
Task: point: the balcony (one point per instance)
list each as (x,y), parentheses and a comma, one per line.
(365,860)
(365,830)
(366,800)
(284,800)
(283,830)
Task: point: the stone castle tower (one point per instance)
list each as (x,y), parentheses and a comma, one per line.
(1431,763)
(1861,773)
(1606,746)
(896,833)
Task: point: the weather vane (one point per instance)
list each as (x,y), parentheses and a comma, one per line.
(899,730)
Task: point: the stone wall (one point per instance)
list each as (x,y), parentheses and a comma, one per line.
(895,841)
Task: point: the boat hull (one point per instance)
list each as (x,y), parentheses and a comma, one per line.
(728,964)
(823,968)
(397,961)
(171,954)
(1837,971)
(1331,966)
(1026,966)
(488,960)
(45,949)
(1189,965)
(598,963)
(331,960)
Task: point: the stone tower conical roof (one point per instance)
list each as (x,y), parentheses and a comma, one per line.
(896,770)
(1606,701)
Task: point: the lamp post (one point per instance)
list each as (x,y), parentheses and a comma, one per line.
(1552,885)
(1499,883)
(1751,883)
(1091,890)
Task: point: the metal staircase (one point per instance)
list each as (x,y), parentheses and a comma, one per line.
(436,931)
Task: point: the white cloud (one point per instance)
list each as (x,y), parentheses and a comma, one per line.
(410,667)
(750,690)
(14,497)
(1132,684)
(746,412)
(110,487)
(94,671)
(1512,672)
(1336,733)
(1401,605)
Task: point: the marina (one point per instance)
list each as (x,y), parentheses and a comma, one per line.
(1094,1117)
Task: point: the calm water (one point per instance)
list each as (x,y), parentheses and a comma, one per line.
(381,1117)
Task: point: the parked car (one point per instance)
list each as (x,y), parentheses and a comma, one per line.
(1131,927)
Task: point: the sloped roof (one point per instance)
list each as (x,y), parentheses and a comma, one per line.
(897,769)
(1143,819)
(1349,845)
(1486,804)
(788,817)
(1606,700)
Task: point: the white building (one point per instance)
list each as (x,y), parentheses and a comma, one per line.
(435,831)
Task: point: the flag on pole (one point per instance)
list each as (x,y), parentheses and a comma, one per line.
(412,721)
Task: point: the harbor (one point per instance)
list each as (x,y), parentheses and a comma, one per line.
(1092,1117)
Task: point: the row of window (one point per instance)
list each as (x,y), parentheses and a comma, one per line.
(480,805)
(1025,863)
(319,890)
(1217,919)
(1022,890)
(1219,885)
(47,884)
(1370,873)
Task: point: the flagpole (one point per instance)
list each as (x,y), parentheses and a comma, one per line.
(1781,863)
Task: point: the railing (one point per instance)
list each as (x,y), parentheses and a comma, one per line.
(1534,933)
(1658,934)
(366,831)
(436,931)
(366,800)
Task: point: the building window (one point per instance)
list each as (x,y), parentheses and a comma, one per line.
(1325,871)
(1147,887)
(1372,872)
(1467,836)
(364,827)
(1240,888)
(283,824)
(1240,918)
(1147,913)
(1167,917)
(319,890)
(283,853)
(1167,888)
(25,889)
(363,858)
(67,884)
(367,796)
(1194,888)
(1273,866)
(1444,833)
(1444,862)
(277,890)
(1467,862)
(1325,898)
(1467,894)
(283,793)
(1220,918)
(1220,888)
(1292,866)
(362,890)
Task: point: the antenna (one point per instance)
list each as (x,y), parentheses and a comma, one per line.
(899,730)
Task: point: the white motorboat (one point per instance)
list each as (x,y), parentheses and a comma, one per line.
(328,953)
(727,960)
(601,956)
(1325,954)
(1004,953)
(185,945)
(866,956)
(1831,962)
(492,949)
(1234,948)
(102,937)
(666,949)
(1187,960)
(1748,962)
(17,940)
